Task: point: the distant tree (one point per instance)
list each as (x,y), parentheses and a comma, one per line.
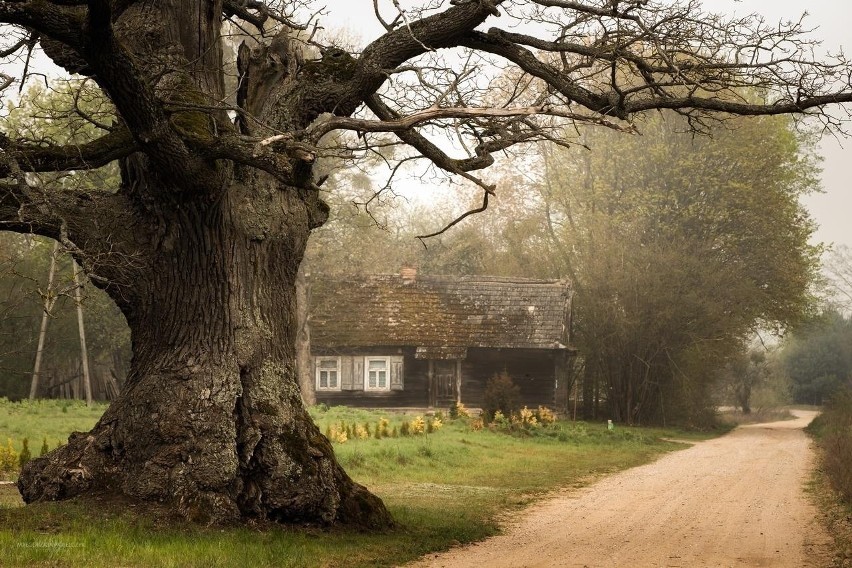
(754,378)
(680,248)
(23,280)
(838,266)
(55,114)
(818,357)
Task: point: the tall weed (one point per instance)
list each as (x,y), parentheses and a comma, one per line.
(833,429)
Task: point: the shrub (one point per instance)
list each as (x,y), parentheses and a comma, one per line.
(500,421)
(340,437)
(9,459)
(545,416)
(418,425)
(501,395)
(458,410)
(436,424)
(834,428)
(405,429)
(525,418)
(25,455)
(44,448)
(362,432)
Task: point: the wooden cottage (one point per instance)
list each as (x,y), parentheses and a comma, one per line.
(409,340)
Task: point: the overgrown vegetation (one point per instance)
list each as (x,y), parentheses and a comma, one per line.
(832,485)
(818,357)
(443,488)
(833,431)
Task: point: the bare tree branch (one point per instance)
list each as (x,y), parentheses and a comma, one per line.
(458,219)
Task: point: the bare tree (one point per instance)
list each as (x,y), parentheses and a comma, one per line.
(200,244)
(838,267)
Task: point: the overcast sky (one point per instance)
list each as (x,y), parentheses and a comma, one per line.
(832,20)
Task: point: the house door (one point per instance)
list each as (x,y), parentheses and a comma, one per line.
(442,386)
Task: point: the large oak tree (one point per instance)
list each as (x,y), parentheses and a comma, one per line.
(200,244)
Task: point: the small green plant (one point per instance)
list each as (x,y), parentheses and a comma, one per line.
(9,459)
(25,454)
(458,410)
(525,419)
(545,416)
(362,432)
(417,426)
(405,429)
(44,448)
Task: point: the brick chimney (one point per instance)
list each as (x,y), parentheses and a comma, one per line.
(408,273)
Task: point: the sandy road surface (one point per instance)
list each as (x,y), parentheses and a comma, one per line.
(735,501)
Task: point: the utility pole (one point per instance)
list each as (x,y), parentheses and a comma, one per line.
(47,303)
(78,298)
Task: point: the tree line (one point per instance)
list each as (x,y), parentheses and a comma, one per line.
(682,249)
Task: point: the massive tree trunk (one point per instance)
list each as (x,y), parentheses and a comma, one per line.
(200,249)
(211,420)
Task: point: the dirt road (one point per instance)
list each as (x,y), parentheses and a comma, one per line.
(736,501)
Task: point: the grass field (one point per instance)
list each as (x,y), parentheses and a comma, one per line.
(443,488)
(40,420)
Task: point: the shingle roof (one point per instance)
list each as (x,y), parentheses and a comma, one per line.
(439,312)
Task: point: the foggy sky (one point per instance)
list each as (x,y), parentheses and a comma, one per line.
(832,18)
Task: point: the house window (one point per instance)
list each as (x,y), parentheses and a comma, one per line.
(377,373)
(328,373)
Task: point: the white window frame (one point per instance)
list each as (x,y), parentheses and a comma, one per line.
(387,362)
(319,371)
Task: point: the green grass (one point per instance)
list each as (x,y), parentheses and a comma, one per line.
(38,420)
(444,488)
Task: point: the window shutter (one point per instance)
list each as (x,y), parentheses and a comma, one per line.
(358,374)
(396,375)
(346,374)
